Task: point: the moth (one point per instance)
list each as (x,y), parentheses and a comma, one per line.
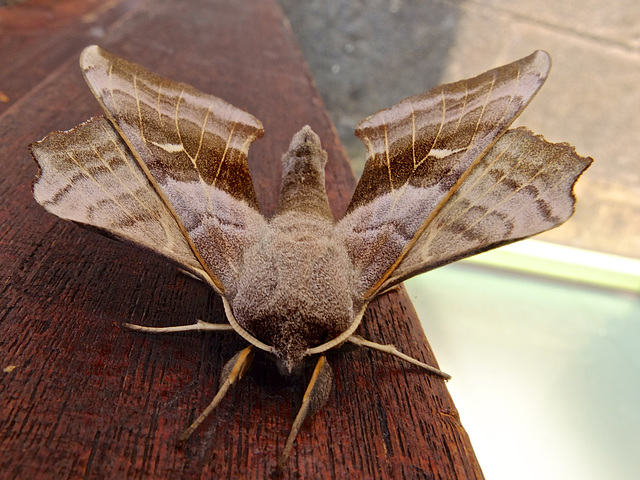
(445,178)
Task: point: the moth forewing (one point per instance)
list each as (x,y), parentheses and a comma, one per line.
(193,149)
(168,171)
(435,137)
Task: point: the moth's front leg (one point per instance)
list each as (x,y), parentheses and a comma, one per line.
(315,397)
(199,326)
(391,349)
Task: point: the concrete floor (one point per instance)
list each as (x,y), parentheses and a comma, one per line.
(368,55)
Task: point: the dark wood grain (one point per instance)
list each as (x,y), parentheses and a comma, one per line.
(80,398)
(36,37)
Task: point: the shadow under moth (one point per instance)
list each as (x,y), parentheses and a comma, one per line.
(445,178)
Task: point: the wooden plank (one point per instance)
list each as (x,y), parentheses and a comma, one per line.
(82,398)
(39,35)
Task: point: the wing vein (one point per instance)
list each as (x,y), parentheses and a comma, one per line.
(484,107)
(413,134)
(224,154)
(203,184)
(140,122)
(206,190)
(204,128)
(178,132)
(435,138)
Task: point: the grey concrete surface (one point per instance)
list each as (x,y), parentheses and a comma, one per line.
(368,55)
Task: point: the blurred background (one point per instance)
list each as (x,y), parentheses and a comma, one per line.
(543,337)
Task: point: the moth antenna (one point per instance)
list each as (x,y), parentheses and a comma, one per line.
(393,288)
(314,398)
(189,274)
(199,326)
(232,372)
(391,349)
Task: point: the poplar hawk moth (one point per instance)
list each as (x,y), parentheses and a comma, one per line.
(445,178)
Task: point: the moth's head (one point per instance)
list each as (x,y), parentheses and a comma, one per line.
(292,336)
(293,303)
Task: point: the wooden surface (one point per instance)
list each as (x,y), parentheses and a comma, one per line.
(79,397)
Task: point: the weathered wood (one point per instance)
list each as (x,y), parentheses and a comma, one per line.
(81,398)
(37,37)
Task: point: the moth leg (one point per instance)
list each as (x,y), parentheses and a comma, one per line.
(199,326)
(361,342)
(233,371)
(314,398)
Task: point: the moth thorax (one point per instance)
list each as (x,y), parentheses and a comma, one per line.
(295,290)
(292,312)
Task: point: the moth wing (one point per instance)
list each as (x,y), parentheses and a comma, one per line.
(193,148)
(88,176)
(419,154)
(521,187)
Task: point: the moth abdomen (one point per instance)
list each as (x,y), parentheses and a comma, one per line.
(303,182)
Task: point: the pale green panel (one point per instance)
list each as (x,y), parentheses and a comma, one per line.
(546,374)
(566,263)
